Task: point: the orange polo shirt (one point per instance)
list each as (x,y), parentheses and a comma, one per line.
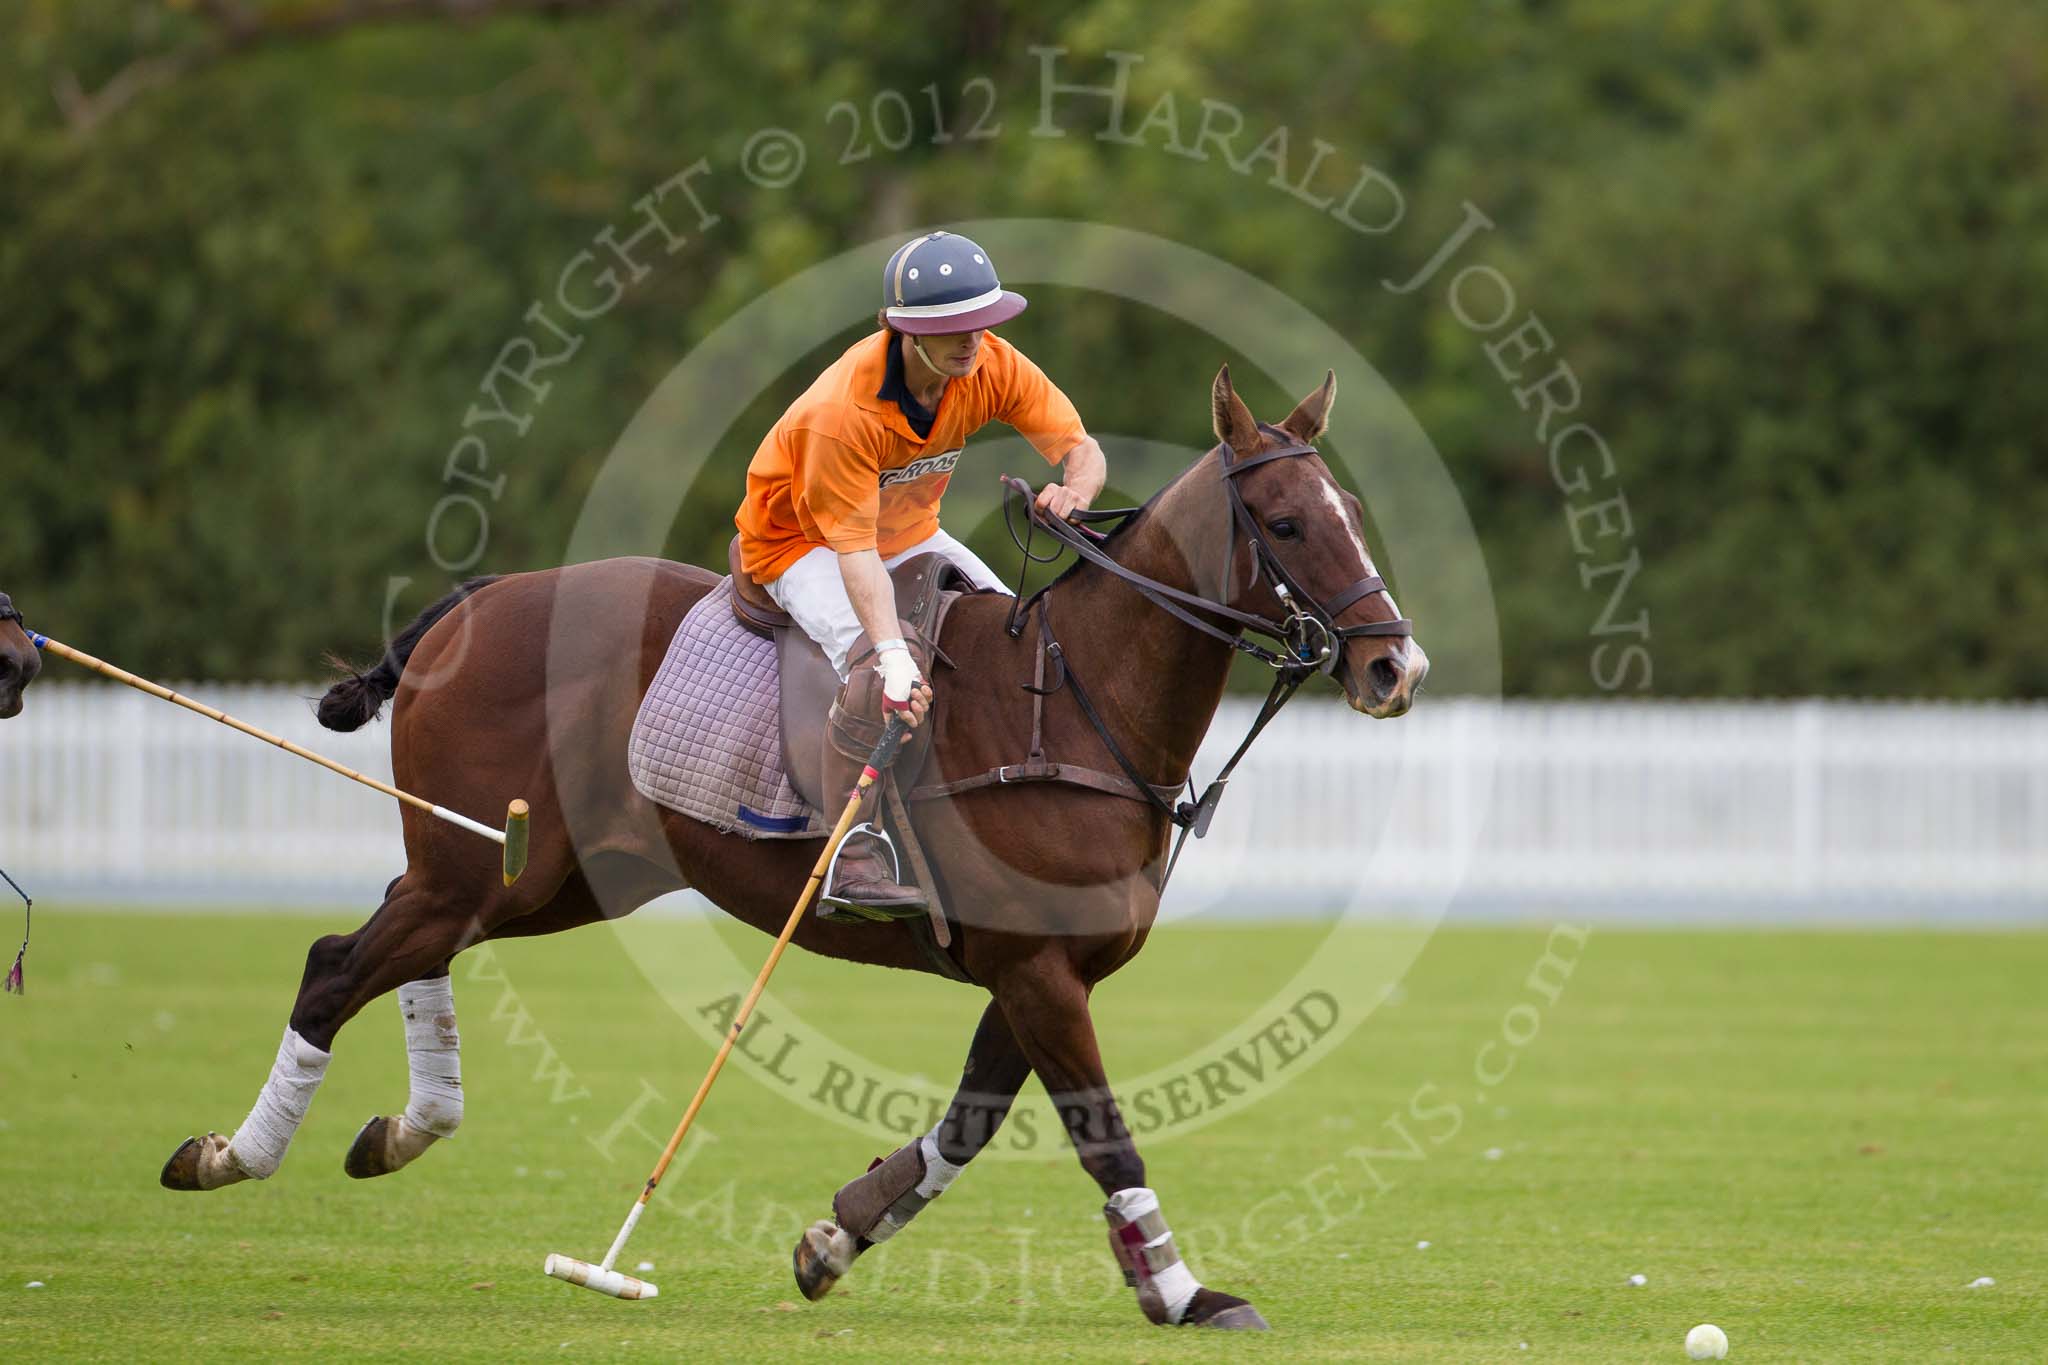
(844,468)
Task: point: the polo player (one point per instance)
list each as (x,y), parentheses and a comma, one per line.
(846,486)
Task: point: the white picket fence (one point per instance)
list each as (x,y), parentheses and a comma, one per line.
(1652,810)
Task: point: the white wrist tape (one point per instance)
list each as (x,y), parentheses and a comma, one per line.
(259,1144)
(898,670)
(433,1053)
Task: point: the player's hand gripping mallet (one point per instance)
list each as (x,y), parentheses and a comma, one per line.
(602,1277)
(513,837)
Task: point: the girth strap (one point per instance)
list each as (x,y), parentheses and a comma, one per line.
(1011,774)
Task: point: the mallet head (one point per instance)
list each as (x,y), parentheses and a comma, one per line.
(612,1282)
(516,839)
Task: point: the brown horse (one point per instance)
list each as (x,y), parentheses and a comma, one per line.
(19,660)
(528,685)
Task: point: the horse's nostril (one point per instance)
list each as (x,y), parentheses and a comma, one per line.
(1383,677)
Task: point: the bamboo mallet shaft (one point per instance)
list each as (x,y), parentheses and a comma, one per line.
(512,837)
(602,1277)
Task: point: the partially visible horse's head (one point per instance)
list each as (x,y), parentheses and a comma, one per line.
(19,661)
(1315,528)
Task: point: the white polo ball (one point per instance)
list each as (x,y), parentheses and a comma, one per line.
(1706,1342)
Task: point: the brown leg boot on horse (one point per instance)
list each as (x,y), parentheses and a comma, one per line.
(865,882)
(872,1208)
(1038,1022)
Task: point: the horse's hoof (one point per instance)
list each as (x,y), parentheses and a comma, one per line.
(202,1164)
(823,1254)
(366,1155)
(385,1145)
(1226,1311)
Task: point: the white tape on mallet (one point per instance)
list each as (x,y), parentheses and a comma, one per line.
(616,1283)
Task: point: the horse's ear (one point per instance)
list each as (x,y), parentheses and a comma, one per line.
(1312,418)
(1234,424)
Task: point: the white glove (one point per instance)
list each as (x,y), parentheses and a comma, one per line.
(899,673)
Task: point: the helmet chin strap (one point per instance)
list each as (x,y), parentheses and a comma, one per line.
(917,344)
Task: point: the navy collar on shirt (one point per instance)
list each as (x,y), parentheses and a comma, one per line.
(895,389)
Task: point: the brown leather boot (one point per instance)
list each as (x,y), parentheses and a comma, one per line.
(864,884)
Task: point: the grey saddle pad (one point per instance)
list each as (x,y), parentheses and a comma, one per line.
(708,740)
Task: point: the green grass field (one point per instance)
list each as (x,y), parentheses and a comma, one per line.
(1815,1140)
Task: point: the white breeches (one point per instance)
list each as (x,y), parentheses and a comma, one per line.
(814,594)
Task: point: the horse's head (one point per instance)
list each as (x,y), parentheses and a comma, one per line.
(1314,529)
(19,661)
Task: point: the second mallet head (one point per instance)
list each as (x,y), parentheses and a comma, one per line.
(615,1283)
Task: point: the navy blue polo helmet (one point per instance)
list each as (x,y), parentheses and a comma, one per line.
(942,283)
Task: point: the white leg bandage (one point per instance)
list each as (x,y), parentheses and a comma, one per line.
(259,1144)
(433,1052)
(1144,1246)
(938,1172)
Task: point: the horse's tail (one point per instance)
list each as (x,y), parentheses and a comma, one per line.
(355,701)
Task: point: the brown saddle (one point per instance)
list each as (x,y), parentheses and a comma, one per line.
(926,588)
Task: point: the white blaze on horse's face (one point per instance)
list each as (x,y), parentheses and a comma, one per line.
(1364,567)
(1380,673)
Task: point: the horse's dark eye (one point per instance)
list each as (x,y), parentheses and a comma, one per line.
(1283,529)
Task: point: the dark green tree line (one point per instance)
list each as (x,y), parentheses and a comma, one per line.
(1795,259)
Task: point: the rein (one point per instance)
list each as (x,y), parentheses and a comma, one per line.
(1304,643)
(13,984)
(1308,637)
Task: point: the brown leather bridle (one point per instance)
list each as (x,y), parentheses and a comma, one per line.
(1306,616)
(1308,638)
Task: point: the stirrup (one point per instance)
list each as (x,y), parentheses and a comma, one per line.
(831,907)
